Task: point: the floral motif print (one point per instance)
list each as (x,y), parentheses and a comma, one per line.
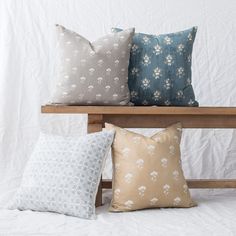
(165,60)
(157,49)
(146,60)
(157,73)
(145,83)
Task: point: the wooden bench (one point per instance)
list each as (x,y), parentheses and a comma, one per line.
(154,117)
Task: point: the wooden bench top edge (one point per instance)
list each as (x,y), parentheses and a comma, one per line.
(139,110)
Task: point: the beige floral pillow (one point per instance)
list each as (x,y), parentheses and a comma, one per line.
(147,172)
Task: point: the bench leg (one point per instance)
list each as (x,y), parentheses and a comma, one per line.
(95,125)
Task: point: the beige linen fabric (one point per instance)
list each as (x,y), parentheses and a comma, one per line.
(147,172)
(92,73)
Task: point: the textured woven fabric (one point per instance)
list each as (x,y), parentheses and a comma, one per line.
(160,69)
(92,73)
(63,174)
(147,172)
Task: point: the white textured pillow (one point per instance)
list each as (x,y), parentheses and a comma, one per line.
(63,174)
(92,73)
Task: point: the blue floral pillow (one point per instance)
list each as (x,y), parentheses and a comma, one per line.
(160,69)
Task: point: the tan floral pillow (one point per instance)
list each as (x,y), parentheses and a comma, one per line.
(147,172)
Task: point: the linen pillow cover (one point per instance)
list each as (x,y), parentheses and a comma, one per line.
(92,73)
(160,69)
(63,174)
(147,172)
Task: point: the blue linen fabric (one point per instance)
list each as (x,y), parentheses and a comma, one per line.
(160,69)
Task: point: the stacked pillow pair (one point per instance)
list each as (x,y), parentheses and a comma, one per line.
(63,173)
(124,67)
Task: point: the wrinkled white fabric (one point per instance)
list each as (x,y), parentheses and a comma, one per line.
(27,52)
(215,215)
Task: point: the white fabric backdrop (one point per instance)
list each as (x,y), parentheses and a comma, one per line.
(27,52)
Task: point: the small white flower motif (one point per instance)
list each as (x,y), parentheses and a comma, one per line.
(117,62)
(115,46)
(128,178)
(68,42)
(73,86)
(114,96)
(151,149)
(179,94)
(125,152)
(185,187)
(177,201)
(141,191)
(157,49)
(107,88)
(145,102)
(82,79)
(175,174)
(146,40)
(122,88)
(134,49)
(140,163)
(180,48)
(90,88)
(66,77)
(168,40)
(169,60)
(189,58)
(100,63)
(164,162)
(190,102)
(117,192)
(171,149)
(153,201)
(99,79)
(145,83)
(154,175)
(91,71)
(108,53)
(157,73)
(180,72)
(136,139)
(146,60)
(190,37)
(108,71)
(129,204)
(166,189)
(116,80)
(134,94)
(67,59)
(167,103)
(83,62)
(134,71)
(167,84)
(98,97)
(157,95)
